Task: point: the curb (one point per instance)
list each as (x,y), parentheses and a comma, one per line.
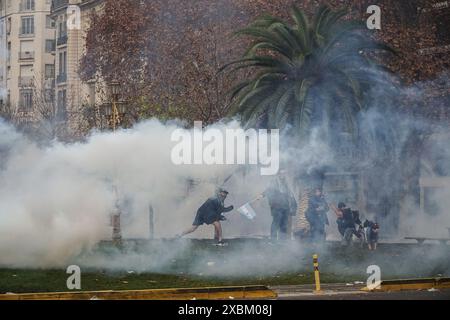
(213,293)
(412,284)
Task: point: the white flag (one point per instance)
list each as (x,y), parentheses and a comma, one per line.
(247,211)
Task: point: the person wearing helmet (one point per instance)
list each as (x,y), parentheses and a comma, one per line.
(210,213)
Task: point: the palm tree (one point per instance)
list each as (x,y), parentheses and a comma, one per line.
(307,73)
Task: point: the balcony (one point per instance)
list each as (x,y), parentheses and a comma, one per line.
(61,40)
(26,55)
(58,4)
(26,81)
(61,78)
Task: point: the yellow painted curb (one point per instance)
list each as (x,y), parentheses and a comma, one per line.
(412,284)
(214,293)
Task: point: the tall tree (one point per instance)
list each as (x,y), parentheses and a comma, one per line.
(307,72)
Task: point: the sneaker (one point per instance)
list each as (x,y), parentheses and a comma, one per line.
(221,244)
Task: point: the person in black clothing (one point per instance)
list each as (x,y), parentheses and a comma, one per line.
(282,205)
(211,213)
(316,214)
(347,219)
(372,229)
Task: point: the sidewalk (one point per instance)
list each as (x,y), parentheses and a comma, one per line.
(308,290)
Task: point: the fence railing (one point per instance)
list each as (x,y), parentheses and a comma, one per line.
(56,4)
(61,40)
(61,78)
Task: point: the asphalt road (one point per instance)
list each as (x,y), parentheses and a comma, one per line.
(344,292)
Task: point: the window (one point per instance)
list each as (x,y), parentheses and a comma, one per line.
(62,28)
(49,45)
(9,53)
(49,71)
(8,26)
(26,50)
(27,25)
(27,5)
(61,103)
(50,23)
(26,99)
(62,62)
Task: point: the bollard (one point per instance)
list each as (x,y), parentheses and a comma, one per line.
(316,273)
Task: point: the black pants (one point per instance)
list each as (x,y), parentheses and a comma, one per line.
(280,221)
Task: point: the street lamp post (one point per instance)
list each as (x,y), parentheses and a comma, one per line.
(115,112)
(115,95)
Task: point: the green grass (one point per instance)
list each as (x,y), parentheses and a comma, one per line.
(187,266)
(22,281)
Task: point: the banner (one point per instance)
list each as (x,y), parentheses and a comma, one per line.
(247,211)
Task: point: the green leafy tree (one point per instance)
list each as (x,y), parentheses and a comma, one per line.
(306,73)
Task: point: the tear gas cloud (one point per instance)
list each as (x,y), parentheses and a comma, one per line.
(56,200)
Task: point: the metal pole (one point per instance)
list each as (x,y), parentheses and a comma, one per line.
(151,223)
(117,229)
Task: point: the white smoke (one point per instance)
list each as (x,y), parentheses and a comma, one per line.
(56,201)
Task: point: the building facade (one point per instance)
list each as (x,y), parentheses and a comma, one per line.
(72,95)
(27,35)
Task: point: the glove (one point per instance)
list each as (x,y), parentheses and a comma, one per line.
(228,209)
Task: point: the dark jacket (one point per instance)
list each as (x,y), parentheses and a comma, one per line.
(280,198)
(316,214)
(348,218)
(210,211)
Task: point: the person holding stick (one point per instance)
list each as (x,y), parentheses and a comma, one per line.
(210,213)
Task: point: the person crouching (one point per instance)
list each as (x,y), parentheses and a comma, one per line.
(210,213)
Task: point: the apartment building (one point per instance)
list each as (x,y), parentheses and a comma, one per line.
(27,46)
(72,23)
